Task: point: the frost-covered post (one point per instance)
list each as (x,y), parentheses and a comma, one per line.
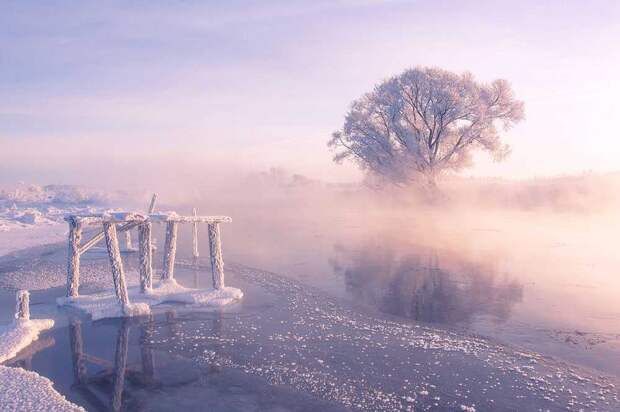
(22,308)
(195,253)
(73,258)
(152,205)
(217,263)
(128,245)
(146,256)
(170,249)
(116,263)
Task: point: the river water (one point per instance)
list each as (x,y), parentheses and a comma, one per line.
(348,315)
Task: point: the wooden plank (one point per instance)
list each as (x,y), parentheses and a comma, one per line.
(99,236)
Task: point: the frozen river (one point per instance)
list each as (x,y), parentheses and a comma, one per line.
(342,344)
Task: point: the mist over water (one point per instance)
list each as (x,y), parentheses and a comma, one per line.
(493,257)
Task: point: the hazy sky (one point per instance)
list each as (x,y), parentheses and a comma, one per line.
(259,84)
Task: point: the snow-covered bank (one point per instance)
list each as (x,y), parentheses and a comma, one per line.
(32,215)
(28,391)
(24,237)
(19,334)
(105,304)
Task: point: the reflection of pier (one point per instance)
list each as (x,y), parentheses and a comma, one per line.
(115,372)
(116,384)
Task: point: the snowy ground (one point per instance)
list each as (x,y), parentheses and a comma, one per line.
(19,334)
(28,391)
(33,215)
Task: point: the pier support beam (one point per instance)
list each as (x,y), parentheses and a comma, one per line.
(195,253)
(73,258)
(217,263)
(22,307)
(128,244)
(146,256)
(170,250)
(111,240)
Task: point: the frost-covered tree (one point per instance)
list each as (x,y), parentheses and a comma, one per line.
(426,121)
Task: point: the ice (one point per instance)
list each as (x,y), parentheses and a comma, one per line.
(105,304)
(28,391)
(19,334)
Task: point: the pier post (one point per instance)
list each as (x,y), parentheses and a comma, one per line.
(217,263)
(111,240)
(152,205)
(73,258)
(195,253)
(170,250)
(146,256)
(22,309)
(128,244)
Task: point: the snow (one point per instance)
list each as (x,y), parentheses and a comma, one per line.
(34,215)
(19,334)
(28,391)
(105,304)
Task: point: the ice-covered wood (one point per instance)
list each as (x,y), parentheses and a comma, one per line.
(128,245)
(146,256)
(99,236)
(22,307)
(217,263)
(138,217)
(73,258)
(170,250)
(195,253)
(116,263)
(152,205)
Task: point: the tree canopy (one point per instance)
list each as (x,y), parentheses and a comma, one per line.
(426,121)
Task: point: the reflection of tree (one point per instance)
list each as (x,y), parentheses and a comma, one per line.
(421,285)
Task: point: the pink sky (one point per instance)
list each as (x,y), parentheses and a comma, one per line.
(255,85)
